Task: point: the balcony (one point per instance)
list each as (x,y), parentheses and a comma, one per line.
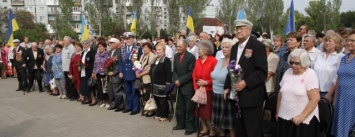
(54,12)
(17,2)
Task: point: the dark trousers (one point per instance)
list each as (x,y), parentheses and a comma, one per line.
(162,107)
(21,78)
(36,73)
(132,99)
(250,124)
(99,89)
(185,110)
(115,99)
(69,86)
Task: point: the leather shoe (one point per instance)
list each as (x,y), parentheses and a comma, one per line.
(118,110)
(18,89)
(189,132)
(178,128)
(126,111)
(111,108)
(92,104)
(28,91)
(134,112)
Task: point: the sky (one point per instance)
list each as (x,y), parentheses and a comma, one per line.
(300,5)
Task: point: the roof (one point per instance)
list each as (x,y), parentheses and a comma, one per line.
(211,22)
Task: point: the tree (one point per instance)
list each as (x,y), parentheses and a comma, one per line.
(136,6)
(174,16)
(228,11)
(63,20)
(197,7)
(323,15)
(347,19)
(25,19)
(66,7)
(99,15)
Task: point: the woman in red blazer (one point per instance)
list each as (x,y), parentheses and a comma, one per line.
(202,77)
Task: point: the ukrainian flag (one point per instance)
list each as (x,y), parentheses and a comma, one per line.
(190,22)
(11,27)
(84,29)
(134,22)
(290,26)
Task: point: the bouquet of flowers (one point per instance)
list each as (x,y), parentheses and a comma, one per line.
(236,75)
(108,65)
(81,65)
(137,67)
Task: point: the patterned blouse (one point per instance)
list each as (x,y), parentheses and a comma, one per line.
(100,59)
(57,66)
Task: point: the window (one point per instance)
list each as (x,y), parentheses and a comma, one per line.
(41,18)
(41,8)
(4,0)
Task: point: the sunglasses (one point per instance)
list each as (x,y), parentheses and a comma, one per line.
(296,63)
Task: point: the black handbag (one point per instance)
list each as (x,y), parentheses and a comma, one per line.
(92,82)
(138,84)
(158,89)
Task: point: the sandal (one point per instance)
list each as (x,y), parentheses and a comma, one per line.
(163,119)
(204,134)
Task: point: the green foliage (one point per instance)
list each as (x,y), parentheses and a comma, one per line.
(39,33)
(197,7)
(228,11)
(174,16)
(61,28)
(347,19)
(25,19)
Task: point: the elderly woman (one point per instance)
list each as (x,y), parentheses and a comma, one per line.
(99,74)
(202,78)
(293,42)
(160,74)
(344,111)
(192,46)
(297,104)
(74,72)
(146,60)
(47,66)
(58,72)
(87,59)
(272,61)
(327,63)
(222,112)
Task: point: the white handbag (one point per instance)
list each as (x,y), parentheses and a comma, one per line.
(104,85)
(150,105)
(52,83)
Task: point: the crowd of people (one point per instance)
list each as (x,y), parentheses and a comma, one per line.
(235,72)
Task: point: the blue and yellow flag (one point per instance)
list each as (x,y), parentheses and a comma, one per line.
(290,26)
(190,23)
(134,22)
(11,27)
(241,15)
(84,29)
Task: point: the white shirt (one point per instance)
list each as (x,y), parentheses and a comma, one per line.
(241,47)
(313,54)
(193,50)
(169,52)
(219,55)
(67,54)
(320,47)
(35,56)
(326,69)
(10,55)
(83,59)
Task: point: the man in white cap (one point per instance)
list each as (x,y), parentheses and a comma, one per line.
(250,54)
(130,53)
(115,102)
(19,52)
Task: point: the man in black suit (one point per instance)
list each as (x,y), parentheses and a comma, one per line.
(34,62)
(18,62)
(184,63)
(250,54)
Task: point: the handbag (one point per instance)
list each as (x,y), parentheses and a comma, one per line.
(158,89)
(200,96)
(150,105)
(91,82)
(52,83)
(104,85)
(138,84)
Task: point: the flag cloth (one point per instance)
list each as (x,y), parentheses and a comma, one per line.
(84,29)
(11,27)
(241,15)
(134,22)
(290,26)
(190,22)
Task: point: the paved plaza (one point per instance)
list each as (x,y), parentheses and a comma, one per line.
(41,115)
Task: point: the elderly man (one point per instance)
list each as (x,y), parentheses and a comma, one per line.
(25,44)
(182,76)
(204,36)
(310,42)
(128,53)
(250,54)
(67,53)
(193,49)
(93,44)
(303,30)
(19,57)
(116,102)
(34,65)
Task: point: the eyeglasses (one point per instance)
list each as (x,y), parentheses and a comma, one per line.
(350,40)
(296,63)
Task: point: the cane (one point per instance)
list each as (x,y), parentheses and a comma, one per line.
(198,120)
(177,94)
